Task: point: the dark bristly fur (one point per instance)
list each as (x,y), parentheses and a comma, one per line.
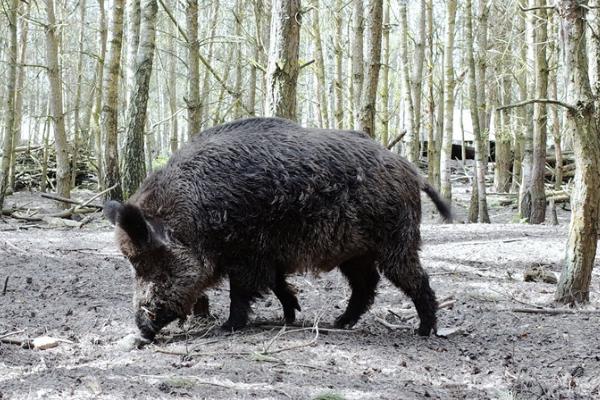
(258,199)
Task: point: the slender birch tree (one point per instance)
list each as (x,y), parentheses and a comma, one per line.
(283,68)
(135,167)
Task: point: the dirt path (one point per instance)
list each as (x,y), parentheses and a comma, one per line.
(73,284)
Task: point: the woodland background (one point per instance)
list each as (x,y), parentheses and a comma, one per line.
(100,93)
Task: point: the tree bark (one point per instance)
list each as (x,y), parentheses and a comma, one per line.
(502,172)
(411,138)
(133,42)
(449,83)
(194,116)
(238,110)
(204,110)
(135,170)
(385,90)
(358,32)
(96,98)
(63,176)
(528,87)
(20,89)
(109,123)
(540,118)
(574,283)
(480,150)
(433,156)
(417,83)
(283,68)
(77,105)
(368,109)
(172,89)
(11,84)
(320,68)
(338,85)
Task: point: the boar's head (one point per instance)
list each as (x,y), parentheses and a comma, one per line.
(168,276)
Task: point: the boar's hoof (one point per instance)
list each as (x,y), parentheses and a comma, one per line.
(426,328)
(230,326)
(345,322)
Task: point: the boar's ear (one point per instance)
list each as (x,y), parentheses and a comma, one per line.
(111,209)
(133,222)
(130,219)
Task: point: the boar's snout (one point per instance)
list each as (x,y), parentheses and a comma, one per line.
(150,323)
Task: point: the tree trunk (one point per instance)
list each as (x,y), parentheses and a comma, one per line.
(385,90)
(528,87)
(338,85)
(77,105)
(417,83)
(411,137)
(238,109)
(194,117)
(20,89)
(63,176)
(110,103)
(368,109)
(96,97)
(133,42)
(540,117)
(358,31)
(283,68)
(574,283)
(258,51)
(172,85)
(9,118)
(502,172)
(480,150)
(449,82)
(320,68)
(204,109)
(433,156)
(135,170)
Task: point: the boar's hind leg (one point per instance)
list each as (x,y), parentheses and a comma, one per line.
(363,277)
(241,297)
(413,280)
(287,296)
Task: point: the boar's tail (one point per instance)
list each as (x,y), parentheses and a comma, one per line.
(440,204)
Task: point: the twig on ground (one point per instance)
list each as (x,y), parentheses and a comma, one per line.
(266,351)
(391,327)
(303,328)
(11,334)
(5,286)
(553,311)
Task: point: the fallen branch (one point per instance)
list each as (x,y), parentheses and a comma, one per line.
(25,343)
(65,200)
(553,311)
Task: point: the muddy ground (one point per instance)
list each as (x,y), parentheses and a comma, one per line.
(72,284)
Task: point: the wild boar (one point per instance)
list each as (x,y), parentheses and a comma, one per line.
(256,200)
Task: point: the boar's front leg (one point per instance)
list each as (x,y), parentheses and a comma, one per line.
(241,298)
(363,277)
(287,296)
(201,307)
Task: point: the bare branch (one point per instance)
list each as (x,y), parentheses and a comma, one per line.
(524,9)
(568,106)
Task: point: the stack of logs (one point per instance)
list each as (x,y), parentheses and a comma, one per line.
(33,165)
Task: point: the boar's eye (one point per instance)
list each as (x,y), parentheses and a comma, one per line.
(151,316)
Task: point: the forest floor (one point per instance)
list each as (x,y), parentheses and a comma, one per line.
(72,284)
